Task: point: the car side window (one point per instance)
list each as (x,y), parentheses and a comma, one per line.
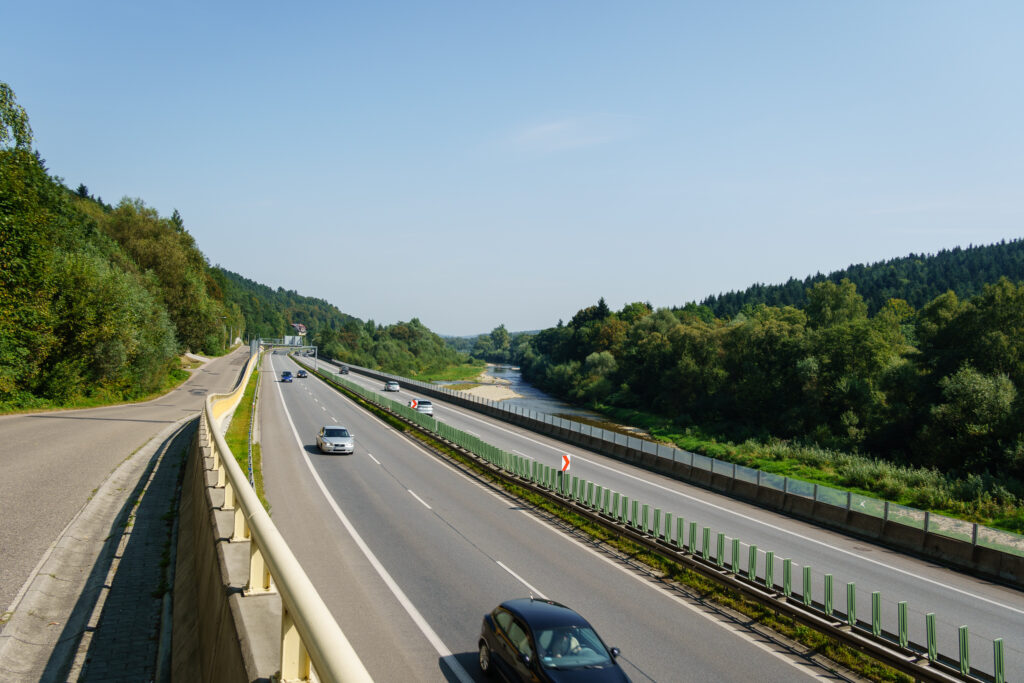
(504,620)
(517,634)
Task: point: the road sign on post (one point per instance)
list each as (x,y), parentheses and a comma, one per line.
(566,462)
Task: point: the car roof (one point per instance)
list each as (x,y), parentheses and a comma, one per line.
(544,613)
(334,427)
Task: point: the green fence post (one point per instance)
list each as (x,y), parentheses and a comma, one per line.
(680,529)
(635,518)
(807,595)
(876,614)
(752,563)
(693,538)
(769,570)
(590,494)
(705,543)
(965,652)
(645,518)
(668,527)
(901,615)
(605,506)
(575,488)
(997,660)
(615,505)
(720,550)
(851,604)
(624,510)
(787,577)
(735,556)
(828,595)
(656,524)
(598,491)
(929,627)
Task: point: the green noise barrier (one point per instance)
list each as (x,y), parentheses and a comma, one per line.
(636,515)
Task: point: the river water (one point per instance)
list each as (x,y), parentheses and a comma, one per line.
(533,398)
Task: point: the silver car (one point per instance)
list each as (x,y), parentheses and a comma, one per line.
(422,406)
(335,439)
(391,386)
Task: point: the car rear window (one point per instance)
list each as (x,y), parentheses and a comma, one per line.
(425,403)
(335,431)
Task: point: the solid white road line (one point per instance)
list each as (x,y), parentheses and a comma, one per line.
(533,590)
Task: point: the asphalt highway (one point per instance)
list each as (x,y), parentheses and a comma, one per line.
(989,610)
(409,553)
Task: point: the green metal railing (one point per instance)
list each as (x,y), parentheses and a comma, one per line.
(655,526)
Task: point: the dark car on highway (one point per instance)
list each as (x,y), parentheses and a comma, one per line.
(530,639)
(343,370)
(301,374)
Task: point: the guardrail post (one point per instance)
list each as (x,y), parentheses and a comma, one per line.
(681,533)
(901,616)
(807,596)
(720,550)
(259,572)
(693,538)
(656,524)
(769,570)
(607,497)
(828,595)
(965,652)
(851,604)
(668,527)
(735,556)
(927,520)
(635,516)
(240,532)
(752,563)
(590,494)
(705,543)
(997,660)
(929,627)
(645,518)
(849,500)
(787,577)
(294,658)
(229,497)
(876,613)
(624,510)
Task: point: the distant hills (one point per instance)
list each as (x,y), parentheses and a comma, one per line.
(917,279)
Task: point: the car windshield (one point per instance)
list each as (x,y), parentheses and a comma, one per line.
(335,432)
(572,648)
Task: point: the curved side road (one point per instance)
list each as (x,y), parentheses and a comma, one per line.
(75,502)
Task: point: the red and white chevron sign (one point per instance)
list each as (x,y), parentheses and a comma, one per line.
(413,403)
(566,462)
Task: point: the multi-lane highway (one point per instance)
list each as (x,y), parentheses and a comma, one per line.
(409,553)
(989,610)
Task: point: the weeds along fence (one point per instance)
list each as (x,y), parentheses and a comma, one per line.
(781,584)
(968,546)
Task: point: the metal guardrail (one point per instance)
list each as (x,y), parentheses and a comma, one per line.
(977,535)
(666,534)
(311,640)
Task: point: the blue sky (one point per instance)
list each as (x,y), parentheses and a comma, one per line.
(475,164)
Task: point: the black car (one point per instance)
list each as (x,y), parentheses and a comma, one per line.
(301,374)
(343,370)
(541,640)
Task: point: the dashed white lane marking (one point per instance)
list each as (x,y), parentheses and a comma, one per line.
(422,502)
(373,458)
(533,590)
(410,609)
(789,532)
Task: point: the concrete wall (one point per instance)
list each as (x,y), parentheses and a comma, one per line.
(219,634)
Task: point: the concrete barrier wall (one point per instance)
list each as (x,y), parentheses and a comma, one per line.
(981,560)
(206,645)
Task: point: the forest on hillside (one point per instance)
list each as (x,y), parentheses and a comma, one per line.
(917,279)
(938,386)
(98,301)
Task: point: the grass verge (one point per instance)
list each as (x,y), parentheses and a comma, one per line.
(237,438)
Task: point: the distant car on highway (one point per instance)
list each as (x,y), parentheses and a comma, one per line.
(541,640)
(343,370)
(421,406)
(301,374)
(391,386)
(335,439)
(286,376)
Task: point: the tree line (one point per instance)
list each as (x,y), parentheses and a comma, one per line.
(938,386)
